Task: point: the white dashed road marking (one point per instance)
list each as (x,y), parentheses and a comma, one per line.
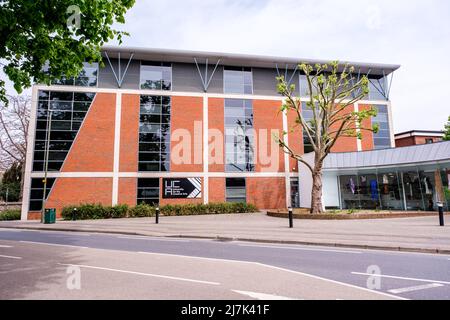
(11,257)
(262,296)
(54,244)
(416,288)
(299,248)
(401,278)
(143,274)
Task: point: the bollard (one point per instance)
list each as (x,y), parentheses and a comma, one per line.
(291,218)
(157,215)
(441,214)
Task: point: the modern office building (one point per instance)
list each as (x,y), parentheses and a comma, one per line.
(176,127)
(417,137)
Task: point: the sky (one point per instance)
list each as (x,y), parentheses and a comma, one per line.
(412,33)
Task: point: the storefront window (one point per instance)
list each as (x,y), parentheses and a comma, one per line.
(295,193)
(390,191)
(349,192)
(413,191)
(235,190)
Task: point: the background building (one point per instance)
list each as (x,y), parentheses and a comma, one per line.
(116,130)
(416,137)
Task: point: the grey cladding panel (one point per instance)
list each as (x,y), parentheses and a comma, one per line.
(185,78)
(265,83)
(107,79)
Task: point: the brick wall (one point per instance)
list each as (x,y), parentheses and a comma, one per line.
(345,144)
(217,190)
(266,193)
(266,115)
(75,191)
(367,143)
(216,121)
(129,133)
(128,191)
(185,111)
(93,149)
(295,138)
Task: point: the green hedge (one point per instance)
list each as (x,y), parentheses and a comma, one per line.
(10,215)
(97,211)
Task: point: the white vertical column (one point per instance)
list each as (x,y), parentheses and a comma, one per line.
(205,149)
(358,129)
(116,169)
(287,167)
(29,156)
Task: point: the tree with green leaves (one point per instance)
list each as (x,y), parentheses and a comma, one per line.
(447,131)
(56,34)
(333,90)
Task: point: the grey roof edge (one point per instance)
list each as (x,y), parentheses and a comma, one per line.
(420,131)
(189,55)
(421,155)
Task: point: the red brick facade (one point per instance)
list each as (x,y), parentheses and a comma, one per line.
(93,149)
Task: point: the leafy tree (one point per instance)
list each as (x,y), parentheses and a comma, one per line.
(447,131)
(11,183)
(58,35)
(332,90)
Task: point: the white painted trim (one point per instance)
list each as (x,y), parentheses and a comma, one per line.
(358,129)
(391,124)
(205,149)
(183,94)
(287,167)
(30,155)
(115,185)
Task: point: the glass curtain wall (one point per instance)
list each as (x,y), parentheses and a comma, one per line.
(410,189)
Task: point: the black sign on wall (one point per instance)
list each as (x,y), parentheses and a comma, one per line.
(185,188)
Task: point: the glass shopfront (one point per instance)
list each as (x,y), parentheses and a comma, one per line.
(411,189)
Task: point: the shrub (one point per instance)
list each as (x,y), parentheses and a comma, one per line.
(10,215)
(97,211)
(142,211)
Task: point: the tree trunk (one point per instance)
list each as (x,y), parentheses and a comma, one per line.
(316,193)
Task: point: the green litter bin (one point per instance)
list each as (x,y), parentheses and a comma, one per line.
(50,216)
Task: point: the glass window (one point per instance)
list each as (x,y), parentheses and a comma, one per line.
(154,134)
(238,80)
(66,121)
(37,192)
(148,191)
(239,136)
(308,115)
(377,88)
(235,190)
(295,193)
(87,78)
(156,76)
(382,139)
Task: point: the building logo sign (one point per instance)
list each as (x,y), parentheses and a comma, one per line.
(190,188)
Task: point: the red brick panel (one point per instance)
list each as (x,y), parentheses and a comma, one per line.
(405,142)
(128,191)
(267,115)
(367,136)
(163,202)
(345,144)
(266,193)
(129,133)
(216,120)
(75,191)
(93,149)
(185,111)
(295,138)
(216,190)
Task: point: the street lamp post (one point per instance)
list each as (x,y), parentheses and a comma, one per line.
(46,156)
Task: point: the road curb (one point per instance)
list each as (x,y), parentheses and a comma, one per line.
(230,239)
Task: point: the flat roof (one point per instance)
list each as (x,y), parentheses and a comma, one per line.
(233,59)
(421,133)
(419,154)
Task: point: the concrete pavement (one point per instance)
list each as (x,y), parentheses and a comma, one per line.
(421,234)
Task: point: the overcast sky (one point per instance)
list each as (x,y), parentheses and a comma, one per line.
(413,33)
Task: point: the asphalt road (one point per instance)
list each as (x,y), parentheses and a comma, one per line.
(34,265)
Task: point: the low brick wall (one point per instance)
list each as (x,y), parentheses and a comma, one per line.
(356,216)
